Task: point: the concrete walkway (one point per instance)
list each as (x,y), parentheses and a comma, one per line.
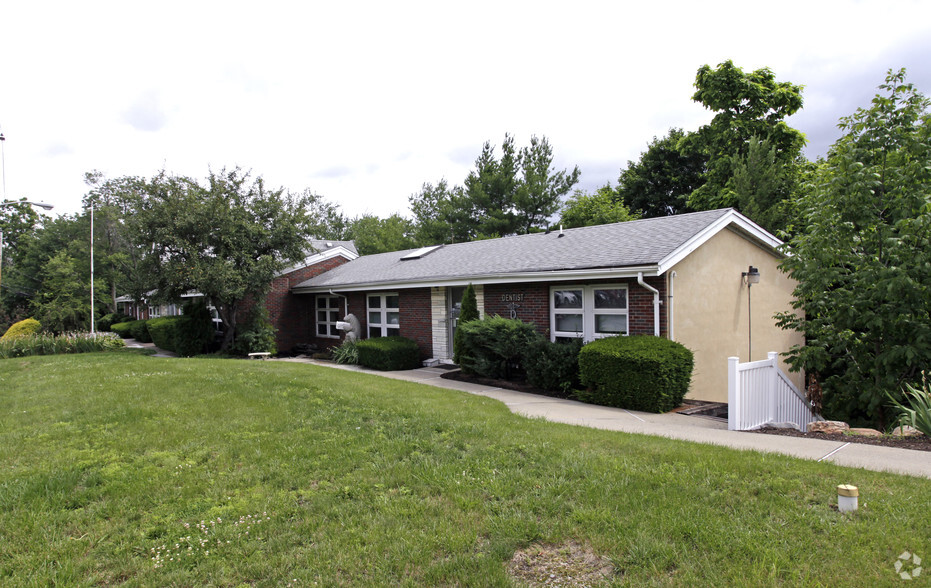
(674,426)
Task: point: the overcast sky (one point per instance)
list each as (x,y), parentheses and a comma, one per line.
(363,102)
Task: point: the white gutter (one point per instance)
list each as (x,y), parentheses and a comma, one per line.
(655,302)
(672,331)
(345,301)
(521,277)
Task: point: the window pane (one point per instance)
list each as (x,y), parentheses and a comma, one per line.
(374,301)
(611,323)
(321,316)
(374,332)
(569,323)
(394,318)
(375,318)
(392,302)
(613,298)
(321,330)
(393,331)
(321,301)
(567,298)
(334,316)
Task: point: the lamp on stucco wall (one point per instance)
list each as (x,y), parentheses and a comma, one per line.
(751,276)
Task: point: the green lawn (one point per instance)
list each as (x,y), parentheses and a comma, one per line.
(122,468)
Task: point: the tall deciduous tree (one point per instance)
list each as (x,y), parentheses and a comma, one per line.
(747,105)
(863,257)
(659,184)
(380,235)
(584,210)
(226,238)
(117,257)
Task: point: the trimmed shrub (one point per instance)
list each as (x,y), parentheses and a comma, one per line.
(553,367)
(641,372)
(389,353)
(23,328)
(139,331)
(164,331)
(121,329)
(492,347)
(194,331)
(106,322)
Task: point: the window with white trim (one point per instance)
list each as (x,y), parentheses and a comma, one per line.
(589,312)
(327,315)
(384,315)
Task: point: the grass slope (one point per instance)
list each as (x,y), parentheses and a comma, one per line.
(120,468)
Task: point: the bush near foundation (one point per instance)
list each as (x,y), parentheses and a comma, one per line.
(553,367)
(389,353)
(641,372)
(121,329)
(135,329)
(106,322)
(164,331)
(23,328)
(492,347)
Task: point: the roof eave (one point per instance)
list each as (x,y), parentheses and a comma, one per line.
(732,217)
(509,278)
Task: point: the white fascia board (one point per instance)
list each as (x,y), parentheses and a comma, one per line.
(740,222)
(514,278)
(318,257)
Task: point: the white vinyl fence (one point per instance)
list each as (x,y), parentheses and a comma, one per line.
(758,393)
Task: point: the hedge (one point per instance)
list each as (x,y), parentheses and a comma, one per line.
(642,372)
(389,353)
(135,329)
(23,328)
(164,331)
(121,329)
(492,347)
(553,367)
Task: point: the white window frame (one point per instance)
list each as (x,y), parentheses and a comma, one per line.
(331,306)
(387,329)
(588,311)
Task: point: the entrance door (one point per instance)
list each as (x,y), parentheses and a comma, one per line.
(453,308)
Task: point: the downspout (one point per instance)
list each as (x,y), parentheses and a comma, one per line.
(345,301)
(655,302)
(670,314)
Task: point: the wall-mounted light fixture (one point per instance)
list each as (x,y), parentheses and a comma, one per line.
(751,276)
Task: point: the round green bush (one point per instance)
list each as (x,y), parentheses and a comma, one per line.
(23,328)
(642,372)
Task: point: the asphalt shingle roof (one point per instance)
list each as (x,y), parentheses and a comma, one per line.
(632,243)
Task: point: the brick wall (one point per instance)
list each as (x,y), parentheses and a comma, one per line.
(416,321)
(532,302)
(293,315)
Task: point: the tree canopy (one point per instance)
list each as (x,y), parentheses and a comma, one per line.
(862,257)
(515,193)
(660,183)
(602,207)
(225,238)
(749,106)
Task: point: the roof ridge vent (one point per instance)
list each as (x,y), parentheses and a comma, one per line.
(418,253)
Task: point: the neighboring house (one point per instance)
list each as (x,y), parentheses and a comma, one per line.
(284,310)
(679,277)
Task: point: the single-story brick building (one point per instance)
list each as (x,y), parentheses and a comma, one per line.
(682,277)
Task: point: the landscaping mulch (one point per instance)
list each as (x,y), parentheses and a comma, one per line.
(515,385)
(919,443)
